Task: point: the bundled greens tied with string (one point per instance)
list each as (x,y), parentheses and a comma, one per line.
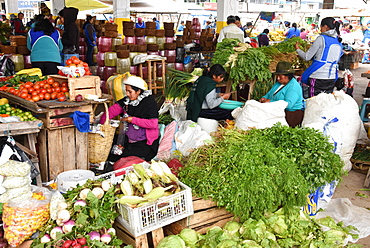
(252,172)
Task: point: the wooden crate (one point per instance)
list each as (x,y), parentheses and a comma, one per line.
(353,65)
(206,215)
(61,150)
(18,128)
(82,85)
(147,240)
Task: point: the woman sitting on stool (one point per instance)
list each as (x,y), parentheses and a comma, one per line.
(203,100)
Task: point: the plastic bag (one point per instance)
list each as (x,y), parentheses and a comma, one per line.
(6,66)
(18,193)
(15,169)
(22,218)
(176,107)
(72,71)
(190,136)
(16,182)
(348,82)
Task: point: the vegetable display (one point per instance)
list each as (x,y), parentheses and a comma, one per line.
(178,84)
(141,186)
(252,172)
(84,220)
(276,230)
(6,110)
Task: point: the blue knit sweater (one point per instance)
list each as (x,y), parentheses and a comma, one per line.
(44,48)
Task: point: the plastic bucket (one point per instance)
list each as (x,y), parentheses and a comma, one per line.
(68,56)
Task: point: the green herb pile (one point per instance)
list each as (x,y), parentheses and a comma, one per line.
(272,230)
(257,171)
(287,46)
(165,119)
(223,50)
(251,64)
(260,89)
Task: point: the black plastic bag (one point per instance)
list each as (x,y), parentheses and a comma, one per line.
(180,55)
(6,66)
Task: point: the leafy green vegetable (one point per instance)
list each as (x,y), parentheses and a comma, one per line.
(223,50)
(178,84)
(257,171)
(165,119)
(172,241)
(190,236)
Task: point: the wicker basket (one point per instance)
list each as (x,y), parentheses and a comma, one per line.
(110,27)
(150,25)
(168,25)
(99,147)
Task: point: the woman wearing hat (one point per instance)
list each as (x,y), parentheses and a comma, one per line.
(325,52)
(287,89)
(139,112)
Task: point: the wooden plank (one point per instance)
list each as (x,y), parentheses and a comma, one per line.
(43,155)
(59,122)
(62,111)
(19,132)
(55,151)
(51,104)
(82,157)
(22,125)
(213,214)
(367,75)
(32,146)
(203,229)
(367,180)
(200,204)
(69,148)
(122,234)
(176,227)
(157,235)
(16,100)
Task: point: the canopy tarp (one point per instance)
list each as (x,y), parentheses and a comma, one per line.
(85,4)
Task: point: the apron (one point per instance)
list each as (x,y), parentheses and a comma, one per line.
(317,64)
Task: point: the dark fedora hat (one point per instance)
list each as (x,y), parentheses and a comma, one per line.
(283,67)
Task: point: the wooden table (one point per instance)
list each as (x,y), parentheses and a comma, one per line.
(61,147)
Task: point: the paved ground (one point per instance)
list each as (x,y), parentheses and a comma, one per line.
(351,184)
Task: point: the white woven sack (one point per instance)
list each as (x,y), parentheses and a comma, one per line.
(324,107)
(261,115)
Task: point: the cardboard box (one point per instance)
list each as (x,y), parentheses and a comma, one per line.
(353,65)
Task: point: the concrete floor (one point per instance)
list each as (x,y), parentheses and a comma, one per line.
(353,182)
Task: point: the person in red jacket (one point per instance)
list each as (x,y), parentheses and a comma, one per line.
(19,28)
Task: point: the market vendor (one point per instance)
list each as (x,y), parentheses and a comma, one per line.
(203,100)
(325,52)
(287,89)
(139,113)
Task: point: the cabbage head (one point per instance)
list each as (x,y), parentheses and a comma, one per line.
(232,227)
(190,236)
(172,241)
(228,243)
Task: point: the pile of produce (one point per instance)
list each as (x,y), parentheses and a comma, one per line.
(272,230)
(82,218)
(6,111)
(74,68)
(43,89)
(142,186)
(277,35)
(178,84)
(258,171)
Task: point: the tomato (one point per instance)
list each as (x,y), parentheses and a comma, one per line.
(53,95)
(57,89)
(21,87)
(42,83)
(42,96)
(15,92)
(55,84)
(24,90)
(36,86)
(68,61)
(30,90)
(23,95)
(75,60)
(47,86)
(80,65)
(36,98)
(50,80)
(49,90)
(47,96)
(85,64)
(64,84)
(63,89)
(62,98)
(11,91)
(60,94)
(28,85)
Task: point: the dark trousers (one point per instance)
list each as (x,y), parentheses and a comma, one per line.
(317,86)
(89,54)
(294,118)
(47,68)
(216,114)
